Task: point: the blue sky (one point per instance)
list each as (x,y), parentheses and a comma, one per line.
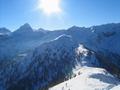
(14,13)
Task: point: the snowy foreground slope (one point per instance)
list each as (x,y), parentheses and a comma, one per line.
(89,78)
(116,87)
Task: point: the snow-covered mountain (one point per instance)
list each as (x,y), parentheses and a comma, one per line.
(38,59)
(23,40)
(103,40)
(58,56)
(24,29)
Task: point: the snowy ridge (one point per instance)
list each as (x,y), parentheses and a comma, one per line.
(62,41)
(64,36)
(89,78)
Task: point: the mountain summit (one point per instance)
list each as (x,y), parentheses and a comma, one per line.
(24,29)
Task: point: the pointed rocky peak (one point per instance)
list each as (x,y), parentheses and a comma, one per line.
(24,29)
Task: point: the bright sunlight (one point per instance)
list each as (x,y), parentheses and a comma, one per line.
(50,6)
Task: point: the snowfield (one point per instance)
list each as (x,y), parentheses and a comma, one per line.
(89,78)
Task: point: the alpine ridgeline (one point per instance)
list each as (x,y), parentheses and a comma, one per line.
(39,59)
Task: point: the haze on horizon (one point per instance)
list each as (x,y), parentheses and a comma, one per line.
(58,14)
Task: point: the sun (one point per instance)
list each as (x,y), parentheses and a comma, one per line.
(50,6)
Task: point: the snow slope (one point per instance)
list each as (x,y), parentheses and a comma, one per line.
(116,88)
(89,78)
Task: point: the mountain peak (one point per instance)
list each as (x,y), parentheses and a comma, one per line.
(42,30)
(24,29)
(62,41)
(76,28)
(26,26)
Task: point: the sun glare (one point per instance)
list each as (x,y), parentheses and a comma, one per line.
(50,6)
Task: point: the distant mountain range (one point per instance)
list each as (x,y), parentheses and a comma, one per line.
(39,59)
